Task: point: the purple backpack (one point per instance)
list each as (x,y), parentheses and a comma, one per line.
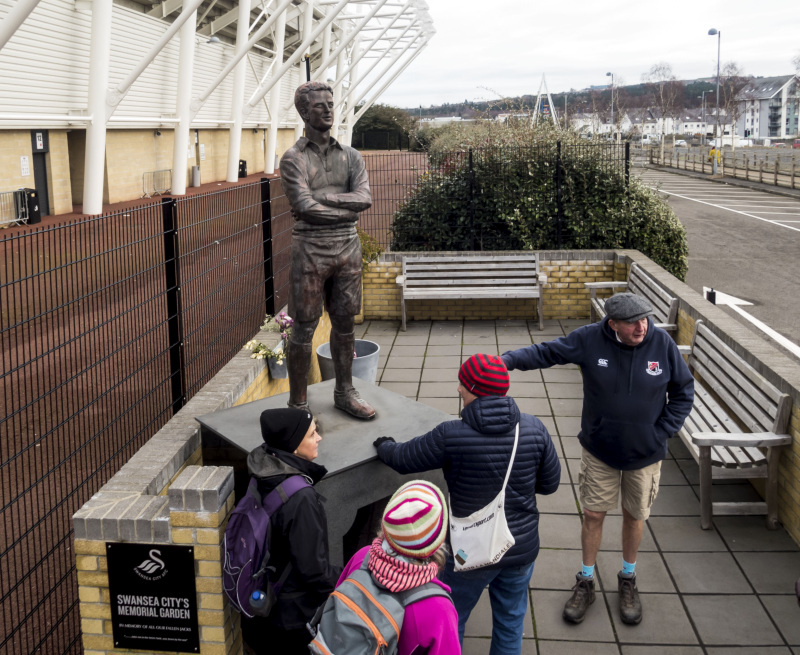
(246,569)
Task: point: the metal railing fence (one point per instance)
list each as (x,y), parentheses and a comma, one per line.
(109,325)
(13,208)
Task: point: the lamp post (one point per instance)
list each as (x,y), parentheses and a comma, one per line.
(703,119)
(612,101)
(718,34)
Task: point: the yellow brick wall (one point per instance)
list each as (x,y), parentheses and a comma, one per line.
(214,168)
(58,174)
(129,153)
(13,145)
(564,295)
(220,628)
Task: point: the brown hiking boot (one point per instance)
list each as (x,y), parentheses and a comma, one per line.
(582,597)
(350,402)
(630,607)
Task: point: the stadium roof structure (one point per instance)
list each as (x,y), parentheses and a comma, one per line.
(183,64)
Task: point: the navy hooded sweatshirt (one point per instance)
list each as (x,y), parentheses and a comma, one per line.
(634,397)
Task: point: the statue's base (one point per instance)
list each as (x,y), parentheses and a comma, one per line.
(356,478)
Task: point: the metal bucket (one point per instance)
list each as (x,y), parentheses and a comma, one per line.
(365,363)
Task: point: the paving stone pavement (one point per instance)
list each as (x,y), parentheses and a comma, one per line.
(727,590)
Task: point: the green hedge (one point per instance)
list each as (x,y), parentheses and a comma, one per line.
(509,202)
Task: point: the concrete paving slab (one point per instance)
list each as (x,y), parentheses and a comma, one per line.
(732,491)
(481,646)
(536,406)
(564,472)
(400,375)
(562,374)
(446,350)
(411,340)
(525,376)
(612,536)
(474,338)
(678,450)
(750,533)
(732,621)
(675,501)
(547,609)
(661,650)
(784,611)
(433,360)
(437,340)
(561,502)
(527,390)
(479,623)
(564,390)
(651,572)
(571,648)
(572,449)
(566,406)
(769,650)
(707,573)
(664,621)
(407,389)
(560,531)
(671,474)
(439,389)
(771,574)
(397,361)
(449,406)
(568,426)
(470,349)
(409,351)
(511,340)
(550,424)
(683,533)
(555,570)
(440,375)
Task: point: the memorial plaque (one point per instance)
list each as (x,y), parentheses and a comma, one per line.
(153,597)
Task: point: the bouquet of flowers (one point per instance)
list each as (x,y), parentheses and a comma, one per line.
(283,323)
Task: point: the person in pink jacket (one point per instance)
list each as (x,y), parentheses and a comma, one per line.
(407,553)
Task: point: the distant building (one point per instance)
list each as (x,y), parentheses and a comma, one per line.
(770,107)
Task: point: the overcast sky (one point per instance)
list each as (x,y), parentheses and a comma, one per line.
(489,48)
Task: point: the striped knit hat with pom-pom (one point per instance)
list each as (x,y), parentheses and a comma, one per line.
(415,520)
(484,375)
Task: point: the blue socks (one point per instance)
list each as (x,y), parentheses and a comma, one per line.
(628,569)
(587,571)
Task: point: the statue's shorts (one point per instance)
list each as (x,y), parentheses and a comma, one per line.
(325,269)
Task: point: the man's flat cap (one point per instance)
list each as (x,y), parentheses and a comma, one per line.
(628,307)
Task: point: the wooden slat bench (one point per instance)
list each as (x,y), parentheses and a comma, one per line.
(714,434)
(443,277)
(639,282)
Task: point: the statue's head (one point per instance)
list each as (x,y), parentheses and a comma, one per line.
(301,96)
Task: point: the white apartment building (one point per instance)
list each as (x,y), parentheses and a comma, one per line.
(770,107)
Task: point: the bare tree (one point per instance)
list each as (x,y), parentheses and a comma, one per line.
(667,95)
(796,62)
(732,81)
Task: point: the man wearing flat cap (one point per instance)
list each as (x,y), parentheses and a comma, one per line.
(637,392)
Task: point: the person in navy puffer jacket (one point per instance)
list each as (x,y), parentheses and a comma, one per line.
(637,392)
(474,454)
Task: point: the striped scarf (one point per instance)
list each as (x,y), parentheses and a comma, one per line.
(395,574)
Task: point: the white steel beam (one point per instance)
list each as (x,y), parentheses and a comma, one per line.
(337,91)
(377,94)
(95,155)
(353,74)
(164,9)
(230,17)
(180,148)
(354,85)
(308,26)
(115,96)
(262,90)
(200,100)
(14,18)
(237,95)
(271,145)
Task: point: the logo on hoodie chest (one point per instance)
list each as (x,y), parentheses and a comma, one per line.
(653,368)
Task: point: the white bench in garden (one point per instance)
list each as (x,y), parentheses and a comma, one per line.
(441,277)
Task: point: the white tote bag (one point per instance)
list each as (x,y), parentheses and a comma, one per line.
(483,537)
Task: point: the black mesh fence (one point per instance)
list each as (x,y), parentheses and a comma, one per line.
(487,198)
(109,325)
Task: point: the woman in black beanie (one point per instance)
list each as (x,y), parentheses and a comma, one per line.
(299,532)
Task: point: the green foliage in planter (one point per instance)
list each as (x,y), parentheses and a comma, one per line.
(510,202)
(370,249)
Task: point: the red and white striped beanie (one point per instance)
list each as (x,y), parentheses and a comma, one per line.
(415,520)
(484,375)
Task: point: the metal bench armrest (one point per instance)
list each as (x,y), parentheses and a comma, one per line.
(605,285)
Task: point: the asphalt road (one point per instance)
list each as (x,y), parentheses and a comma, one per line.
(742,242)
